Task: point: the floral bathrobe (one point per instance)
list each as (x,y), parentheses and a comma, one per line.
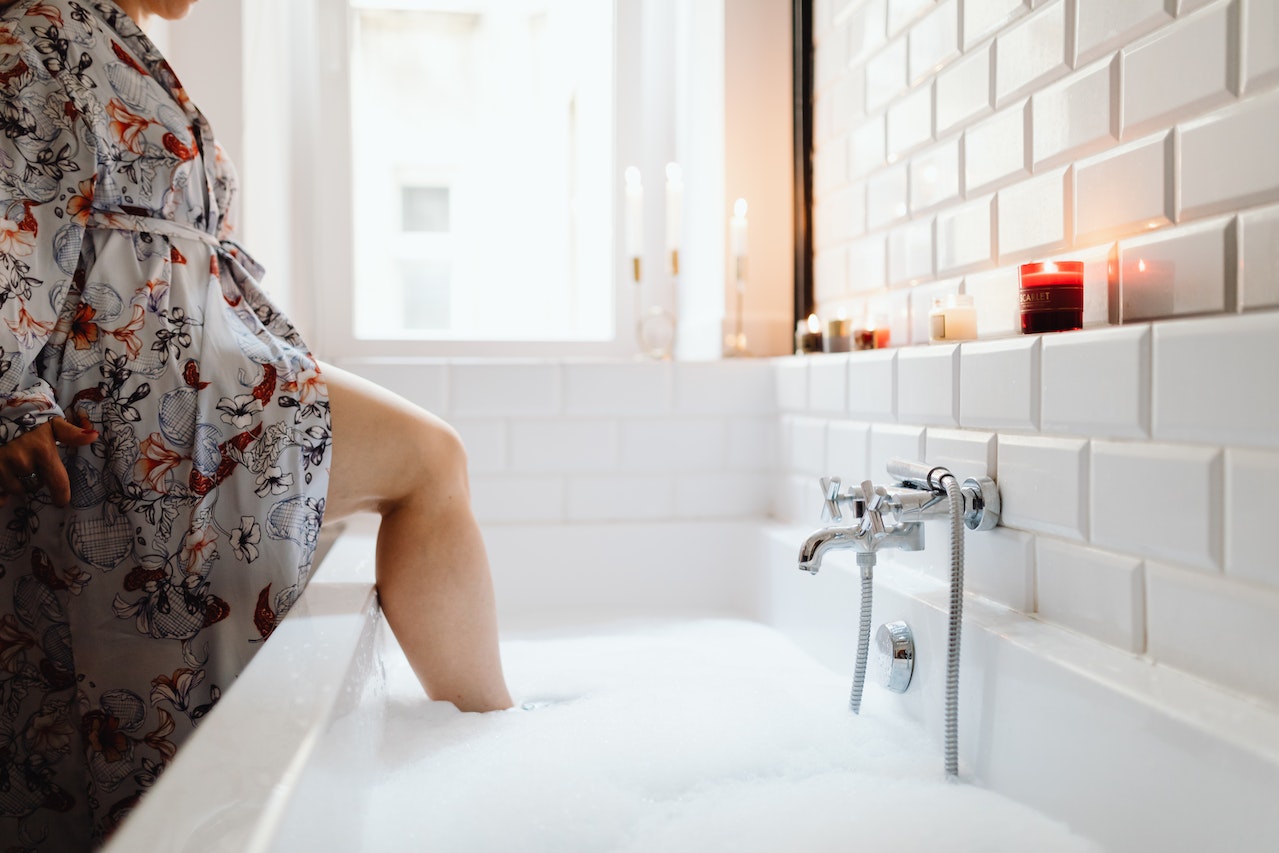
(194,516)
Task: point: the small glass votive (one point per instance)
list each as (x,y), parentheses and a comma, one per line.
(874,336)
(1052,296)
(808,335)
(839,335)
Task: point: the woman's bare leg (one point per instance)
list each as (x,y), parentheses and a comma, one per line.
(395,459)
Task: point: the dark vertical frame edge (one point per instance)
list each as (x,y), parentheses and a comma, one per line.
(802,76)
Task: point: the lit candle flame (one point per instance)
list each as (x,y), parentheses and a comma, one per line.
(1141,265)
(814,325)
(1050,267)
(632,176)
(673,173)
(739,208)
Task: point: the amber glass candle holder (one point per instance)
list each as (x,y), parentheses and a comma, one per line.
(1052,296)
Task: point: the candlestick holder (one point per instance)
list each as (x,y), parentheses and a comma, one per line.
(655,326)
(735,344)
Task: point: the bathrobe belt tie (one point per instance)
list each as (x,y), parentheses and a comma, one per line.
(169,228)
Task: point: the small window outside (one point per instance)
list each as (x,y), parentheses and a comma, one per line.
(482,169)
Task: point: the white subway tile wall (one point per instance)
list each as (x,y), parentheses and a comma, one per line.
(1092,122)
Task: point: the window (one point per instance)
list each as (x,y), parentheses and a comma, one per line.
(481,169)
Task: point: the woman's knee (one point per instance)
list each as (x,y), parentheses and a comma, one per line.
(387,451)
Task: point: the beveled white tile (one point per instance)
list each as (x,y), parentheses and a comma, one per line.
(921,302)
(848,101)
(847,450)
(967,453)
(903,12)
(561,445)
(1000,565)
(620,497)
(1189,613)
(1103,25)
(731,387)
(893,442)
(886,195)
(999,384)
(965,239)
(423,383)
(963,90)
(866,24)
(1259,258)
(1214,380)
(485,441)
(1093,592)
(503,388)
(997,299)
(617,388)
(1177,271)
(986,17)
(872,382)
(995,149)
(839,216)
(1194,52)
(934,176)
(1030,53)
(868,263)
(866,147)
(1249,511)
(830,168)
(886,75)
(1097,383)
(830,273)
(807,445)
(722,495)
(1158,500)
(1033,215)
(910,252)
(1043,484)
(797,500)
(1260,22)
(1227,159)
(1125,190)
(790,378)
(753,444)
(934,41)
(910,122)
(501,498)
(830,54)
(1073,118)
(675,444)
(828,384)
(927,379)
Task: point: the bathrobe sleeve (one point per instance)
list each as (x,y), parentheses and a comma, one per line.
(47,168)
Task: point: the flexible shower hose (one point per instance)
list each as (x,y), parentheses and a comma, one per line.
(956,620)
(866,562)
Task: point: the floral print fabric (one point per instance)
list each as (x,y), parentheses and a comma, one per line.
(194,516)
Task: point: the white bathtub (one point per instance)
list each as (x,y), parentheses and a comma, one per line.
(1134,756)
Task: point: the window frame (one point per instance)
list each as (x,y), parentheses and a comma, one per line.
(331,261)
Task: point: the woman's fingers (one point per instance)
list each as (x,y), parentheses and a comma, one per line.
(68,433)
(31,461)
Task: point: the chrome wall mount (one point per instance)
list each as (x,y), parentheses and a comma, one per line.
(868,518)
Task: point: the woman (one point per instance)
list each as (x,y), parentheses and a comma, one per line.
(168,445)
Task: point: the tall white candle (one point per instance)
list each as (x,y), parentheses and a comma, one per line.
(634,213)
(674,205)
(737,229)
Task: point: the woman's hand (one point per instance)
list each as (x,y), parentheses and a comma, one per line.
(31,461)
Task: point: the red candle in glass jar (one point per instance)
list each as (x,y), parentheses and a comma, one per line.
(1052,296)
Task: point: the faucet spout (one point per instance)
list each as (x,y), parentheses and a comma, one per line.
(826,539)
